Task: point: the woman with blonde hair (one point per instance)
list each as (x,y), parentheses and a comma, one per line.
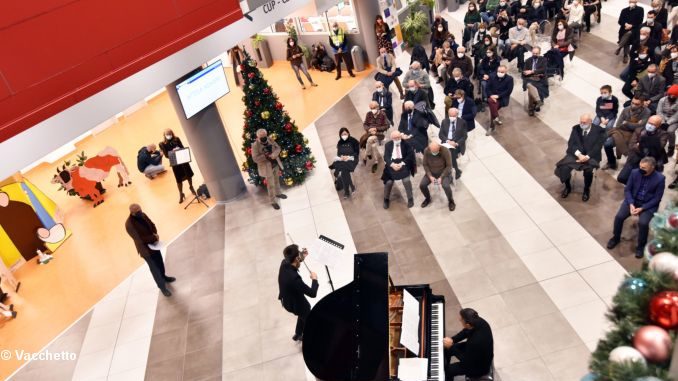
(182,172)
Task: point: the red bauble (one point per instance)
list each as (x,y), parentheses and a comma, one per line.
(288,127)
(267,90)
(250,75)
(278,106)
(672,221)
(248,113)
(309,165)
(257,103)
(653,342)
(249,151)
(265,182)
(242,67)
(664,309)
(298,148)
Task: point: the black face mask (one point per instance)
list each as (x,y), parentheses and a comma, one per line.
(262,139)
(642,171)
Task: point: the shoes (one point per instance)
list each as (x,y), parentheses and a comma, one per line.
(489,131)
(498,121)
(426,202)
(170,279)
(625,60)
(586,195)
(386,203)
(14,313)
(440,80)
(452,206)
(674,184)
(457,174)
(619,156)
(530,112)
(298,337)
(166,292)
(303,87)
(275,205)
(374,167)
(612,243)
(565,192)
(351,74)
(314,84)
(182,197)
(608,166)
(410,203)
(281,196)
(537,108)
(11,307)
(639,253)
(337,78)
(616,51)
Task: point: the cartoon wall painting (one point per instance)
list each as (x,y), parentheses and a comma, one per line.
(29,221)
(85,178)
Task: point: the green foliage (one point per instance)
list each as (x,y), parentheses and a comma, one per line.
(257,39)
(81,159)
(263,110)
(630,311)
(415,27)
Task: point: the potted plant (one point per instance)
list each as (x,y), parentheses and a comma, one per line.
(416,25)
(262,54)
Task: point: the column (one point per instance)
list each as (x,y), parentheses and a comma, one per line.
(209,145)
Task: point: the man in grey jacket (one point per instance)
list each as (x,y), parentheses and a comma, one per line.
(667,108)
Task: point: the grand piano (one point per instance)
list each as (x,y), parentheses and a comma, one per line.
(354,333)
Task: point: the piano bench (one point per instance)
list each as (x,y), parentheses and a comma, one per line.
(488,377)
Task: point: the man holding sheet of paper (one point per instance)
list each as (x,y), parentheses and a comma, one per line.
(293,290)
(473,346)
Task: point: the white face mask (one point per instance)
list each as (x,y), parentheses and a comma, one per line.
(642,56)
(344,137)
(632,5)
(489,54)
(650,21)
(585,127)
(168,137)
(643,37)
(560,27)
(519,27)
(374,111)
(457,79)
(501,75)
(575,3)
(291,43)
(380,89)
(440,29)
(536,5)
(482,30)
(460,55)
(605,96)
(651,75)
(502,3)
(674,55)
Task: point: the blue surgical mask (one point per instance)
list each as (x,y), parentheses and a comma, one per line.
(650,127)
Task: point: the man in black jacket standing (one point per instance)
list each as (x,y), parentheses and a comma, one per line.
(293,289)
(143,232)
(473,346)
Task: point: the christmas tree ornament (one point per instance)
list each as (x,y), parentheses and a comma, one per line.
(247,134)
(298,148)
(265,115)
(265,182)
(589,377)
(289,181)
(653,343)
(648,378)
(653,247)
(248,151)
(250,75)
(288,127)
(664,309)
(252,87)
(257,103)
(252,63)
(283,153)
(274,136)
(278,106)
(309,165)
(634,285)
(624,354)
(266,90)
(665,262)
(672,221)
(299,170)
(248,113)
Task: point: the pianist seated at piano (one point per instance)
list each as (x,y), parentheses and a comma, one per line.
(293,290)
(473,346)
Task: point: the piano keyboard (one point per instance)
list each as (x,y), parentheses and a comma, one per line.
(437,334)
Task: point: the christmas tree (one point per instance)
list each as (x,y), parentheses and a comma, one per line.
(644,314)
(263,110)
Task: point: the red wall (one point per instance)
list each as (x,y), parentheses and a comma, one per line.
(55,53)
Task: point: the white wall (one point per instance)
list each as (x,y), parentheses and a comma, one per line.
(45,137)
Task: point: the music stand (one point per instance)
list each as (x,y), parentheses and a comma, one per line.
(179,157)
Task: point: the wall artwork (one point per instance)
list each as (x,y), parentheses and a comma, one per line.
(84,179)
(29,222)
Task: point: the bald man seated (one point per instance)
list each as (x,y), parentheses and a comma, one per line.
(437,169)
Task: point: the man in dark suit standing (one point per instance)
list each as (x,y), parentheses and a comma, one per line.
(453,133)
(413,126)
(583,154)
(399,164)
(143,232)
(535,81)
(467,108)
(293,289)
(642,195)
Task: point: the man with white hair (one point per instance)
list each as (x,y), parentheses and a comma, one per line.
(583,154)
(399,165)
(453,133)
(265,152)
(421,76)
(414,126)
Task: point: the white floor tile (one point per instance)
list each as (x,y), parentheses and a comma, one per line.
(563,230)
(136,327)
(141,303)
(137,374)
(604,278)
(93,366)
(131,355)
(108,312)
(528,241)
(588,320)
(569,290)
(584,252)
(100,338)
(547,264)
(511,220)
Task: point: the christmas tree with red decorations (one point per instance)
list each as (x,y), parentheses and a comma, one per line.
(264,110)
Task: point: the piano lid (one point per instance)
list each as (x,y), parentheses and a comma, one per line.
(346,333)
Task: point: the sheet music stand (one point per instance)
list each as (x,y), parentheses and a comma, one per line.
(336,244)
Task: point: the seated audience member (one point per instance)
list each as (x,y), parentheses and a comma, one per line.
(583,154)
(667,109)
(538,14)
(629,22)
(591,7)
(668,66)
(521,9)
(438,38)
(348,151)
(499,89)
(607,108)
(488,66)
(473,346)
(419,55)
(562,38)
(518,40)
(423,83)
(399,165)
(415,93)
(467,108)
(535,81)
(481,34)
(471,21)
(651,86)
(662,15)
(437,165)
(149,161)
(382,95)
(638,65)
(445,56)
(648,141)
(375,125)
(8,311)
(504,26)
(631,118)
(642,194)
(388,71)
(461,61)
(655,27)
(454,83)
(480,52)
(453,133)
(575,17)
(414,127)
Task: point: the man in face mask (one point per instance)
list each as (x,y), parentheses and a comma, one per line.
(630,119)
(642,194)
(629,22)
(461,61)
(583,154)
(499,89)
(338,43)
(265,153)
(654,26)
(652,86)
(384,100)
(144,233)
(388,71)
(535,81)
(647,141)
(399,165)
(437,165)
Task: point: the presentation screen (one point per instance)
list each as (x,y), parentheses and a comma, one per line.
(203,88)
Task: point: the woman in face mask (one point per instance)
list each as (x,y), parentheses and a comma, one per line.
(348,151)
(561,38)
(383,33)
(295,55)
(668,66)
(182,172)
(471,21)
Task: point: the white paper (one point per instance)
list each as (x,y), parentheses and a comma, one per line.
(409,336)
(447,145)
(325,253)
(157,245)
(183,156)
(413,369)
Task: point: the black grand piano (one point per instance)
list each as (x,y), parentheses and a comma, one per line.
(353,333)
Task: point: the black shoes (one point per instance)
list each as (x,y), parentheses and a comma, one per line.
(425,203)
(674,184)
(275,205)
(610,166)
(612,243)
(410,202)
(281,196)
(457,174)
(170,279)
(565,192)
(182,197)
(166,292)
(386,203)
(452,206)
(298,337)
(530,112)
(639,253)
(586,195)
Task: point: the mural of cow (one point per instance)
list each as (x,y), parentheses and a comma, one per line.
(85,180)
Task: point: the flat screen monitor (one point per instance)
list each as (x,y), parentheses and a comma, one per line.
(203,88)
